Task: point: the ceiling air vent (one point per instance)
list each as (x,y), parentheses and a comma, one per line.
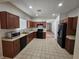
(39,10)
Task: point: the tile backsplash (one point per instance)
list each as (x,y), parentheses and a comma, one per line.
(3,31)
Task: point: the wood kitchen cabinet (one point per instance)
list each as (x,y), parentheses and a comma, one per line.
(35,24)
(11,49)
(34,34)
(31,24)
(44,35)
(16,22)
(69,45)
(28,39)
(8,20)
(31,36)
(71,25)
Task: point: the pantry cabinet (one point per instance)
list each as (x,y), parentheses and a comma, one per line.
(8,20)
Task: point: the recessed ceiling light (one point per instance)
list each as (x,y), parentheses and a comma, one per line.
(30,7)
(60,4)
(53,14)
(36,14)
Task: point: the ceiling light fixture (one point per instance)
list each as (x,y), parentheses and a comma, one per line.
(30,7)
(36,14)
(60,4)
(53,14)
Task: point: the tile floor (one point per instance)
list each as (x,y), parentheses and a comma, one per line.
(43,49)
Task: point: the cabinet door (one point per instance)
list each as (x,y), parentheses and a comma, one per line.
(8,50)
(44,35)
(3,18)
(16,22)
(27,39)
(30,37)
(75,23)
(16,47)
(11,49)
(70,26)
(71,50)
(70,23)
(10,21)
(34,34)
(67,44)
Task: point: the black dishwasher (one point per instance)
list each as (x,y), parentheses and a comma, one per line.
(23,42)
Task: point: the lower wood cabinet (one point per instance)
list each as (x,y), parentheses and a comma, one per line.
(11,49)
(34,34)
(44,35)
(69,45)
(30,37)
(27,39)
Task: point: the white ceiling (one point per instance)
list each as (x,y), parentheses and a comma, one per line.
(3,1)
(48,7)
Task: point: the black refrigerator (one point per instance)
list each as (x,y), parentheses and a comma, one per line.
(62,34)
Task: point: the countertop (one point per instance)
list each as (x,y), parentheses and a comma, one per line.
(17,37)
(20,36)
(71,37)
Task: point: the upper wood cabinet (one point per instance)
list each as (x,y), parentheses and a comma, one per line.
(35,24)
(71,25)
(8,20)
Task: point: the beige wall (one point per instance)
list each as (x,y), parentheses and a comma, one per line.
(76,50)
(55,26)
